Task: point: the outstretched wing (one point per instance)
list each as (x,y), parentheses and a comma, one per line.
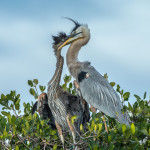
(97,91)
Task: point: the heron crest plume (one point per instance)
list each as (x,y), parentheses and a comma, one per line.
(75,22)
(59,38)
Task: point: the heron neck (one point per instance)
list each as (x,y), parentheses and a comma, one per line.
(55,81)
(74,65)
(72,54)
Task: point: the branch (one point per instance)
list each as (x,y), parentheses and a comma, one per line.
(5,146)
(22,142)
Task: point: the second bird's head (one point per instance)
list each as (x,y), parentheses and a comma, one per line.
(79,32)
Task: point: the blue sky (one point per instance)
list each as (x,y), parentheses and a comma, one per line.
(119,44)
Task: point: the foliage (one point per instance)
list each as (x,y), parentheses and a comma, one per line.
(22,131)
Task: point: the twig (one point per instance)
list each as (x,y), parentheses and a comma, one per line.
(14,112)
(105,123)
(5,146)
(36,90)
(22,142)
(45,146)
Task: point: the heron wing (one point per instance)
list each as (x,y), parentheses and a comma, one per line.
(97,91)
(34,108)
(74,108)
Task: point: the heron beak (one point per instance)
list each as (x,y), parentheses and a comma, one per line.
(65,43)
(70,39)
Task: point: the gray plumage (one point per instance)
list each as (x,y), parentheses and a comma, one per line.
(99,93)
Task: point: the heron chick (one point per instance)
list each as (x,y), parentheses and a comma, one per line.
(63,104)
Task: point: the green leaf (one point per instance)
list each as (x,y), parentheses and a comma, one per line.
(5,133)
(111,146)
(64,86)
(55,146)
(109,138)
(29,118)
(24,104)
(35,81)
(126,95)
(130,107)
(106,76)
(35,115)
(32,92)
(19,111)
(123,128)
(17,105)
(42,123)
(28,106)
(144,131)
(4,113)
(13,93)
(144,95)
(42,88)
(67,79)
(81,127)
(118,87)
(112,84)
(137,97)
(73,118)
(7,127)
(95,127)
(9,117)
(13,119)
(70,85)
(16,147)
(18,101)
(133,128)
(53,132)
(3,96)
(27,125)
(100,126)
(30,83)
(24,131)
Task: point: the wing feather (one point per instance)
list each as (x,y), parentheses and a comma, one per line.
(97,91)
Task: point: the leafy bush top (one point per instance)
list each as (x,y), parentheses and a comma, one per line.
(25,132)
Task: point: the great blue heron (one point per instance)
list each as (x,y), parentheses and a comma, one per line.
(95,89)
(41,106)
(63,104)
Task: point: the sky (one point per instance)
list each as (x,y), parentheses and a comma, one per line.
(119,44)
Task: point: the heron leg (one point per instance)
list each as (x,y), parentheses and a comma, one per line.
(105,123)
(60,133)
(71,129)
(39,100)
(93,109)
(76,84)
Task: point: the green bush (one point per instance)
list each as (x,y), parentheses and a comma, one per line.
(22,131)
